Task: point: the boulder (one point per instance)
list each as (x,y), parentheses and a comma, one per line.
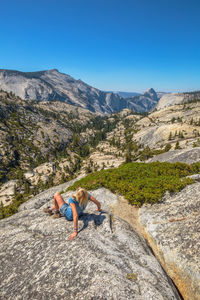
(172,228)
(107,260)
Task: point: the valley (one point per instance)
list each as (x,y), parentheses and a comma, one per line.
(44,143)
(139,159)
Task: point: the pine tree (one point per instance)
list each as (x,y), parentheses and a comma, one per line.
(177,146)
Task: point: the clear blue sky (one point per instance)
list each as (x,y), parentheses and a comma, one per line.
(127,45)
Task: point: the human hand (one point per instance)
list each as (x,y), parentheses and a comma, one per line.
(73,235)
(99,209)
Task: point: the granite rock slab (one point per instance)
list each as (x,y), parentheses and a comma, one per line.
(172,228)
(107,260)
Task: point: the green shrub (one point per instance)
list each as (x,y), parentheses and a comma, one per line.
(141,182)
(177,146)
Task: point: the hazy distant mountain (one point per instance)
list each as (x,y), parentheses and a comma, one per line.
(144,102)
(127,94)
(132,94)
(150,93)
(52,85)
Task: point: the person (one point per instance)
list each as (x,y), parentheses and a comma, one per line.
(73,209)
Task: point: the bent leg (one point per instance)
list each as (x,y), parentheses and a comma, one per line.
(58,201)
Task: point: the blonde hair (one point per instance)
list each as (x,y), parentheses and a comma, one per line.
(81,196)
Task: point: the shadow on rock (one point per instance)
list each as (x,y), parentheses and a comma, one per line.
(97,219)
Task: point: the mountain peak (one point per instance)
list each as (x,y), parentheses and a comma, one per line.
(151,94)
(53,70)
(150,90)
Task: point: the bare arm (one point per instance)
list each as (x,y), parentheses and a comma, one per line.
(96,202)
(75,220)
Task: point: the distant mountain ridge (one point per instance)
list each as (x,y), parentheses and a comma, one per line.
(132,94)
(52,85)
(144,102)
(127,94)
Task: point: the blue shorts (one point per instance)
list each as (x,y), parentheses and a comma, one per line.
(66,212)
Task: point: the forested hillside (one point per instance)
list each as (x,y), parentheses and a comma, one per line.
(42,144)
(47,143)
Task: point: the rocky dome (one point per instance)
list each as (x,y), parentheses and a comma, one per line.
(151,94)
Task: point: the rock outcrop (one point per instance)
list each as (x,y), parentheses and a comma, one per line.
(172,229)
(188,156)
(40,173)
(7,192)
(107,260)
(178,123)
(169,100)
(180,98)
